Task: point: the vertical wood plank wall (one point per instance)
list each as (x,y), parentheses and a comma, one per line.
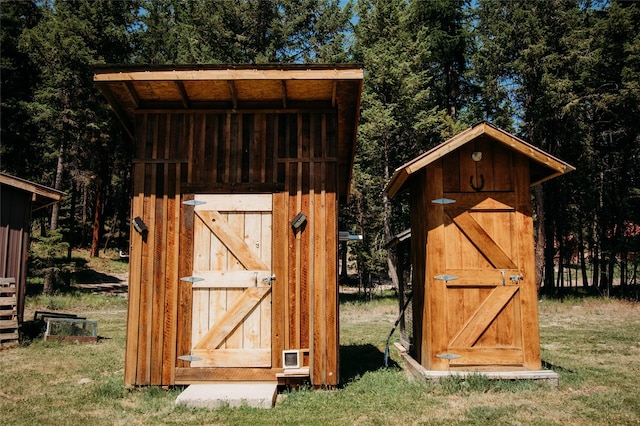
(15,222)
(292,155)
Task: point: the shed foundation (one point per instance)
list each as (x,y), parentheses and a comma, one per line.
(418,371)
(218,395)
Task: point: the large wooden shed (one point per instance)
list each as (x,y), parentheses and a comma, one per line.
(472,250)
(238,172)
(19,198)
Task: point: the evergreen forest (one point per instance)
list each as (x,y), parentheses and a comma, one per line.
(563,75)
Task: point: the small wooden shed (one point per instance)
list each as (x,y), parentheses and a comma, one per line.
(18,199)
(472,250)
(238,173)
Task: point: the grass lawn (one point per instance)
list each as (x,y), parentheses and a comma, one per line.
(594,344)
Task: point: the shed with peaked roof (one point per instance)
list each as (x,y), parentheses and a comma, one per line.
(238,172)
(18,199)
(472,250)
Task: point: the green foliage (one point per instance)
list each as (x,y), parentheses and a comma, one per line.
(47,257)
(109,389)
(201,32)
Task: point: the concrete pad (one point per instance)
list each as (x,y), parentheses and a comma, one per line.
(417,370)
(217,395)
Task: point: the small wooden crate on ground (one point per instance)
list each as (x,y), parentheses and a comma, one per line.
(8,313)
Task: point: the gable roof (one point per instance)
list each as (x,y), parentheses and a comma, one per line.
(278,88)
(42,196)
(544,166)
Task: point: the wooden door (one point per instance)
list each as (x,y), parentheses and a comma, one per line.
(482,278)
(231,281)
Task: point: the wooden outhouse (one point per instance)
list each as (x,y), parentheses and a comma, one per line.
(472,250)
(19,198)
(238,172)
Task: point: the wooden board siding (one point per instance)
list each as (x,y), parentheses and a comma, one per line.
(542,166)
(179,154)
(15,222)
(247,89)
(8,313)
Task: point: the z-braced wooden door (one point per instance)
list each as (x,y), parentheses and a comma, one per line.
(231,281)
(486,313)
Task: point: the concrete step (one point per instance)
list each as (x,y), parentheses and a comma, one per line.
(237,394)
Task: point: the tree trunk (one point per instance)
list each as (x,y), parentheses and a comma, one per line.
(55,211)
(391,260)
(549,264)
(72,219)
(97,221)
(47,287)
(49,276)
(344,273)
(540,236)
(595,278)
(583,262)
(549,252)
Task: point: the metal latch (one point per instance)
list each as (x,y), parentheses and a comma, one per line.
(516,278)
(268,280)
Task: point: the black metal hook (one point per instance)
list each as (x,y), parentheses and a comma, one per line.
(477,188)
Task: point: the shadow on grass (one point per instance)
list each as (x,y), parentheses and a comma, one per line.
(629,292)
(356,360)
(86,280)
(351,297)
(90,276)
(91,281)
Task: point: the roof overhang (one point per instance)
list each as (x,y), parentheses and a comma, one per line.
(281,88)
(544,166)
(42,196)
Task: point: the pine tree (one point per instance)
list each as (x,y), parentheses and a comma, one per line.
(20,145)
(81,140)
(399,120)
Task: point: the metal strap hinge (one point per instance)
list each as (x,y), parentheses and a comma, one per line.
(445,277)
(189,358)
(192,279)
(443,201)
(194,202)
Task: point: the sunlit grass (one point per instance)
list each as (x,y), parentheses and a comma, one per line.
(592,343)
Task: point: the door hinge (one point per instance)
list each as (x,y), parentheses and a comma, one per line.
(445,277)
(443,201)
(194,202)
(192,279)
(189,358)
